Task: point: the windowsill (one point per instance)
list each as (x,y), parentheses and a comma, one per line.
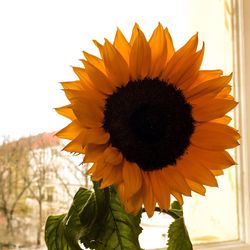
(232,245)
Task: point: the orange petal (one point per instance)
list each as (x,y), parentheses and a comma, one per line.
(178,197)
(112,177)
(92,152)
(225,92)
(122,45)
(192,66)
(76,85)
(82,75)
(87,95)
(134,204)
(115,64)
(202,76)
(206,75)
(121,191)
(66,111)
(132,178)
(99,80)
(148,196)
(223,120)
(100,168)
(217,127)
(99,46)
(175,180)
(215,160)
(212,109)
(134,35)
(186,68)
(71,131)
(170,45)
(76,146)
(160,189)
(158,45)
(194,171)
(140,57)
(92,169)
(196,187)
(209,136)
(180,56)
(112,156)
(95,61)
(95,136)
(217,172)
(211,86)
(88,113)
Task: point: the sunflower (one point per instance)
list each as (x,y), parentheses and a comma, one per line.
(151,122)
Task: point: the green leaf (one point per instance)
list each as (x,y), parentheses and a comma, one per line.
(114,229)
(177,233)
(175,210)
(54,233)
(73,226)
(96,219)
(63,232)
(99,203)
(96,208)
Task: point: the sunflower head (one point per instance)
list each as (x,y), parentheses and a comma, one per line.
(151,122)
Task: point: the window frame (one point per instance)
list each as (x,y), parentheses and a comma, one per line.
(241,59)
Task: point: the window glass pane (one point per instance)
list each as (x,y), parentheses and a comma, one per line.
(211,218)
(208,218)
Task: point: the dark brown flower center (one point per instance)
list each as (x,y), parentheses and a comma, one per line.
(150,122)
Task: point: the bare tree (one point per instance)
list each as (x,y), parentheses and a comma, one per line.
(34,170)
(51,168)
(14,183)
(41,158)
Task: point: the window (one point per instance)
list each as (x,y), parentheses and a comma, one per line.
(240,32)
(49,193)
(50,35)
(219,220)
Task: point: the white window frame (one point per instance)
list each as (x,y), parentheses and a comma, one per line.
(241,67)
(241,47)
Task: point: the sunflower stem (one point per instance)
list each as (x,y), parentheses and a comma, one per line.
(170,212)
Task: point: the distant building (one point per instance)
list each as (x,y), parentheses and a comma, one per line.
(53,177)
(57,173)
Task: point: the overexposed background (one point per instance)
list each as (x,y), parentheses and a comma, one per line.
(41,39)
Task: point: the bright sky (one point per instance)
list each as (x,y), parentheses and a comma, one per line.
(40,39)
